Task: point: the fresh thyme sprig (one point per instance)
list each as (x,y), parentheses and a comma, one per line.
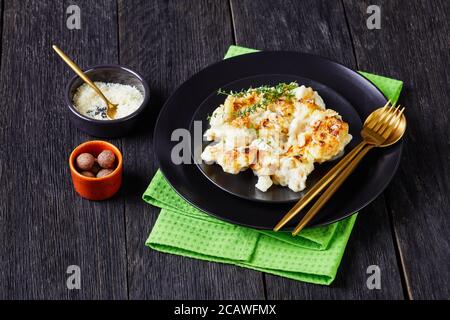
(245,112)
(236,94)
(273,94)
(269,95)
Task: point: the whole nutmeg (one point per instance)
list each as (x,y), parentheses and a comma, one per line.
(88,174)
(95,168)
(106,159)
(85,161)
(103,173)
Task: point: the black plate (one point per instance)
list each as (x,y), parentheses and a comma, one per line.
(243,184)
(364,185)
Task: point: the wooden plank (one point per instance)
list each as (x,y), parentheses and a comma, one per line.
(168,42)
(413,45)
(44,226)
(319,27)
(1,25)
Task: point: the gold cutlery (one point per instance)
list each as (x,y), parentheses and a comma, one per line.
(111,107)
(383,127)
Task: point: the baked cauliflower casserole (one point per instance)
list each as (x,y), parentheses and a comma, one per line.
(278,132)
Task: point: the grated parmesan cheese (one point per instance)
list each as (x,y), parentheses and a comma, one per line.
(91,105)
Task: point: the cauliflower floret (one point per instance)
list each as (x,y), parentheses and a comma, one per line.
(330,136)
(264,183)
(308,94)
(293,173)
(209,155)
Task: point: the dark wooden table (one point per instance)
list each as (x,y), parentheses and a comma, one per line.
(45,227)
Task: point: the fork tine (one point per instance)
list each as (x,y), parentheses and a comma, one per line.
(388,104)
(394,124)
(382,124)
(392,128)
(388,121)
(372,118)
(379,117)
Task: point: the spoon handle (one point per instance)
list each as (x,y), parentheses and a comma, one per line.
(79,72)
(331,189)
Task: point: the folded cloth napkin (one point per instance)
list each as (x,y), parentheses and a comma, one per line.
(313,256)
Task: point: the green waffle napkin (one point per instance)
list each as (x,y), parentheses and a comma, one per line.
(313,256)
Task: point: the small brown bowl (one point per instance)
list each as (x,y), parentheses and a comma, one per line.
(96,188)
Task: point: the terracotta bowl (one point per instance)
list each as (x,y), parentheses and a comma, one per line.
(96,188)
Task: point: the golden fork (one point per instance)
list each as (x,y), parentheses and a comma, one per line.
(111,108)
(383,127)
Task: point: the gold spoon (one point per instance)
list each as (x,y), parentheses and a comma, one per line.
(111,107)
